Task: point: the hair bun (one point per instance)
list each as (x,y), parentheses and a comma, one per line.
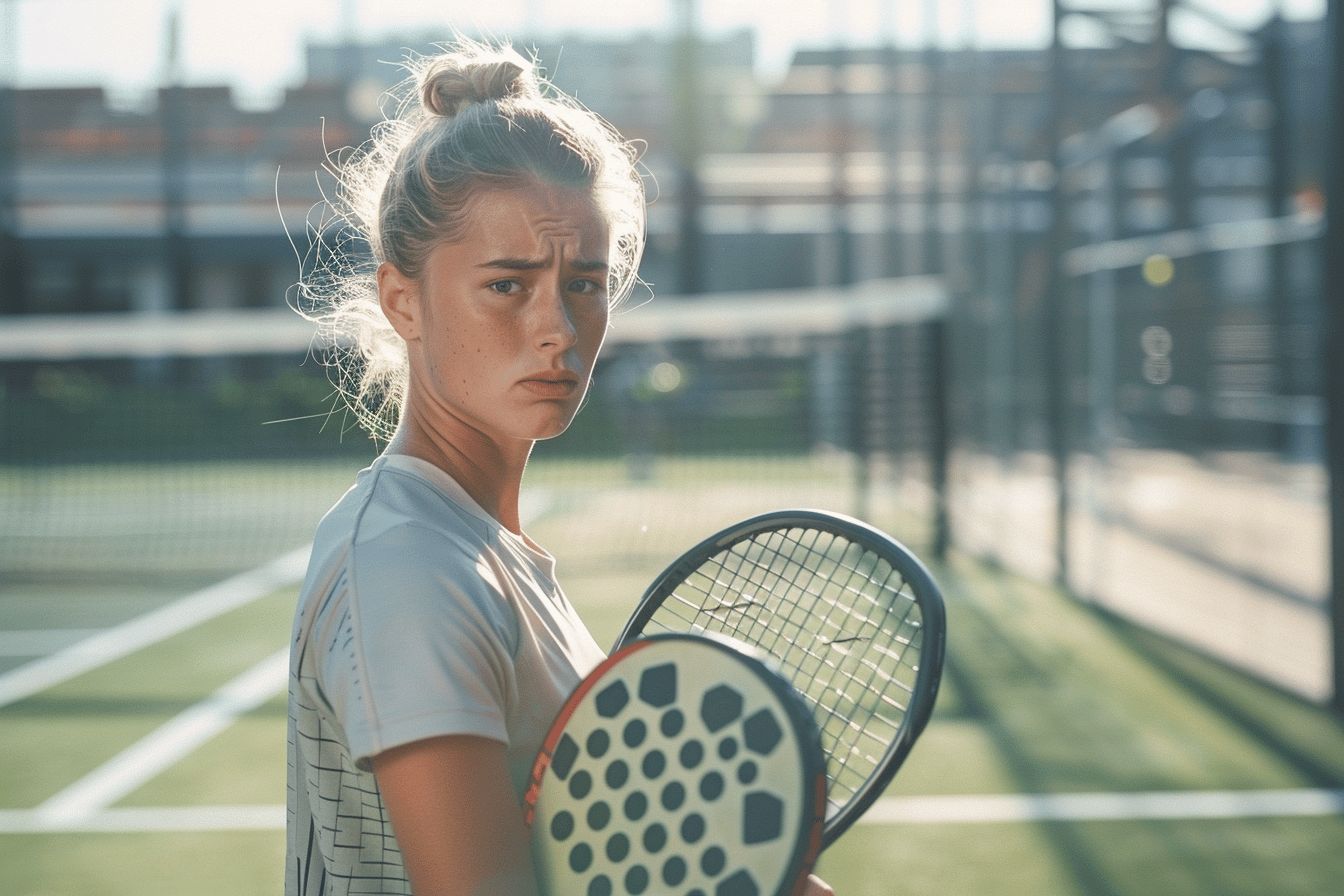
(455,80)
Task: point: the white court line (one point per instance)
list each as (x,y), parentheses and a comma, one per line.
(40,641)
(1152,805)
(170,819)
(152,627)
(975,809)
(165,746)
(201,606)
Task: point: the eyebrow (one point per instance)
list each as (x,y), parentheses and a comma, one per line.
(536,264)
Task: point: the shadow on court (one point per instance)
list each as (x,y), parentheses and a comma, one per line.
(1268,716)
(966,676)
(1075,700)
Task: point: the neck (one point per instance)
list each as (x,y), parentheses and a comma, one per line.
(492,474)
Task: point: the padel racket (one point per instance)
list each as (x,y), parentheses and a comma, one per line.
(849,615)
(682,764)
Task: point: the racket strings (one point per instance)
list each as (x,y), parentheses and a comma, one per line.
(864,730)
(769,579)
(835,632)
(839,619)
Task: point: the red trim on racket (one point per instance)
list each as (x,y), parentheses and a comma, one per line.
(557,730)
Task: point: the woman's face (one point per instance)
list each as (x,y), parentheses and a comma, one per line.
(508,320)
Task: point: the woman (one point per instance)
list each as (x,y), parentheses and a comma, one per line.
(432,646)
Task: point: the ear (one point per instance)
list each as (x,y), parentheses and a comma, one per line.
(399,297)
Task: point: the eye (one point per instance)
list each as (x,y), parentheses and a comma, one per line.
(506,287)
(586,287)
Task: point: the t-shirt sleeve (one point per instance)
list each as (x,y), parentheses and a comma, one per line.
(426,646)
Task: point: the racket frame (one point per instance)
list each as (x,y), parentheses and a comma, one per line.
(920,582)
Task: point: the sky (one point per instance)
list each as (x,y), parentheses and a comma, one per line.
(256,45)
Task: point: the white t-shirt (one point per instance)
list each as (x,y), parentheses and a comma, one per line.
(420,616)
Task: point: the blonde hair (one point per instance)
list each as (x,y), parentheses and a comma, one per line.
(475,117)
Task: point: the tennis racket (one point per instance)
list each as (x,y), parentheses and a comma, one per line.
(682,765)
(851,618)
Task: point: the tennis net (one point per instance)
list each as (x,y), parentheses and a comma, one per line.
(185,446)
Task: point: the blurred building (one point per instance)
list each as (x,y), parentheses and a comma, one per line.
(838,172)
(106,197)
(628,81)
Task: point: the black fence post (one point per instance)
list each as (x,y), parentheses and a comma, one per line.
(176,241)
(13,288)
(861,409)
(940,442)
(933,149)
(893,107)
(841,124)
(1332,300)
(1278,193)
(1055,367)
(691,266)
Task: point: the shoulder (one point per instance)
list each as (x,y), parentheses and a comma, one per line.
(393,515)
(396,547)
(392,497)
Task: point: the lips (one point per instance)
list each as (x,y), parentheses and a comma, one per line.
(551,383)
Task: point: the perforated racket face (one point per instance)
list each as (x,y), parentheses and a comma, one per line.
(850,616)
(680,766)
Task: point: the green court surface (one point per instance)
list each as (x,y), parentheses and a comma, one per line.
(1161,753)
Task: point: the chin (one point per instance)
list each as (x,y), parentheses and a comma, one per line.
(549,429)
(551,432)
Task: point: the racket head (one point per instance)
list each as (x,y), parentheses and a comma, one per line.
(680,763)
(851,617)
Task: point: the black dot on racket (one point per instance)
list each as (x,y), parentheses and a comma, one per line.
(635,732)
(674,795)
(598,743)
(739,883)
(611,699)
(600,886)
(672,722)
(636,804)
(658,684)
(674,871)
(562,761)
(713,860)
(636,879)
(580,785)
(691,754)
(580,857)
(761,733)
(654,764)
(617,774)
(599,814)
(727,748)
(747,771)
(762,817)
(562,825)
(720,706)
(693,828)
(711,786)
(618,847)
(655,838)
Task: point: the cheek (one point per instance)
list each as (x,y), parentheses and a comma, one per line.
(451,361)
(593,327)
(469,358)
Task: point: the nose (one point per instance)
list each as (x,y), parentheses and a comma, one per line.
(555,328)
